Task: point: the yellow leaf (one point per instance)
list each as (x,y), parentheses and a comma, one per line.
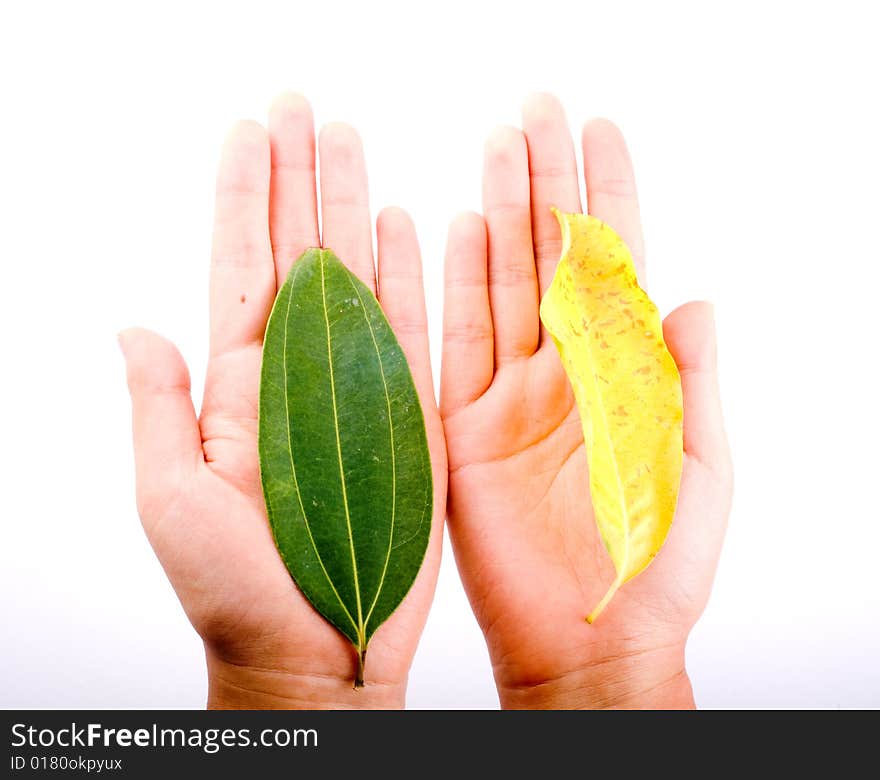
(628,391)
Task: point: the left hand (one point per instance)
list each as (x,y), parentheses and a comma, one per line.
(198,480)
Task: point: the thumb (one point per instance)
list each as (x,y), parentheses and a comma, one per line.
(689,332)
(167,442)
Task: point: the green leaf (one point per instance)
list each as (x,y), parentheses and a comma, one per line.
(344,457)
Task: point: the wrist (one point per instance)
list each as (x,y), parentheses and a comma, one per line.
(653,678)
(253,687)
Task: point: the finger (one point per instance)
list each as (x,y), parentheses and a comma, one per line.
(553,176)
(689,332)
(242,271)
(401,293)
(513,285)
(345,207)
(611,186)
(468,339)
(293,201)
(167,444)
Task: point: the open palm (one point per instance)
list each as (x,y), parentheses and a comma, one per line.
(198,482)
(520,516)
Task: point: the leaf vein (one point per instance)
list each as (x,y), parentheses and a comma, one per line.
(363,309)
(290,453)
(357,588)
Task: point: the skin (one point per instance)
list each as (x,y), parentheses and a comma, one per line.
(198,483)
(520,517)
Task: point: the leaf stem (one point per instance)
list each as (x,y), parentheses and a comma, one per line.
(362,660)
(591,618)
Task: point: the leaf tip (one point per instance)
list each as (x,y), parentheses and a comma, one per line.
(560,217)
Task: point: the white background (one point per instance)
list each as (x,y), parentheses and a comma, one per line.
(755,134)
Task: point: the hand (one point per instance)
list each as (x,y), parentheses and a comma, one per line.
(520,517)
(198,481)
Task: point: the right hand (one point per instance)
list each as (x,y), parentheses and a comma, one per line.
(520,516)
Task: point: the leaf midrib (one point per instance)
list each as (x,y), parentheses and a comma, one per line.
(357,589)
(290,453)
(566,248)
